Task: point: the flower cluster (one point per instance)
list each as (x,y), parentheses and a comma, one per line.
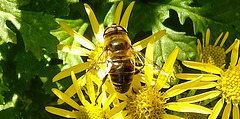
(227,85)
(213,54)
(149,95)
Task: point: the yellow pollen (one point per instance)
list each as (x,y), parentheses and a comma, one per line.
(94,54)
(230,83)
(147,104)
(214,55)
(91,112)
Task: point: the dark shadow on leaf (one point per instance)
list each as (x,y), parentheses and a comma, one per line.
(173,23)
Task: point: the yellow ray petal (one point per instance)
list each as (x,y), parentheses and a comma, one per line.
(136,81)
(79,38)
(232,46)
(78,90)
(204,85)
(186,107)
(71,89)
(200,97)
(148,68)
(177,89)
(200,57)
(166,85)
(199,49)
(235,111)
(216,42)
(205,77)
(161,80)
(120,115)
(202,66)
(227,111)
(207,36)
(234,55)
(150,50)
(96,80)
(66,98)
(217,108)
(175,92)
(148,73)
(61,112)
(167,68)
(118,13)
(108,101)
(116,109)
(67,72)
(169,116)
(90,89)
(109,88)
(73,50)
(102,99)
(138,46)
(224,39)
(126,15)
(121,96)
(93,19)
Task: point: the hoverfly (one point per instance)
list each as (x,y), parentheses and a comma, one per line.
(120,57)
(118,61)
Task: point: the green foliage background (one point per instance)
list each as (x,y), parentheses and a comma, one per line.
(29,34)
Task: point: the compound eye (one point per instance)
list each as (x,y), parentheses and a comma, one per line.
(114,28)
(120,28)
(109,30)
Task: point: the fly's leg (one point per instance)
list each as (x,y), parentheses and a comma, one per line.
(100,89)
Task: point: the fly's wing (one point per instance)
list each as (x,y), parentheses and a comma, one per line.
(97,73)
(98,69)
(148,70)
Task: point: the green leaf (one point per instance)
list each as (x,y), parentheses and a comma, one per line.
(65,39)
(2,89)
(33,26)
(152,16)
(173,40)
(47,75)
(10,113)
(219,16)
(27,66)
(53,7)
(72,1)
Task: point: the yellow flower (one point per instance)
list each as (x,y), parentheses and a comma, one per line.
(227,85)
(150,102)
(213,54)
(88,110)
(93,51)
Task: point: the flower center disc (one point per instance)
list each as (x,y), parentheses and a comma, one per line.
(230,83)
(214,55)
(91,112)
(148,103)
